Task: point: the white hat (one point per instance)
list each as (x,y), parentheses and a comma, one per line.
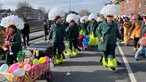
(92,16)
(55,12)
(110,9)
(71,17)
(12,20)
(83,18)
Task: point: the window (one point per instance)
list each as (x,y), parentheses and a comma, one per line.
(144,3)
(131,8)
(125,8)
(130,0)
(126,1)
(139,12)
(144,13)
(139,5)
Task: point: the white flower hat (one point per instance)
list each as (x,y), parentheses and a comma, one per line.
(55,12)
(92,16)
(71,17)
(84,18)
(12,20)
(110,9)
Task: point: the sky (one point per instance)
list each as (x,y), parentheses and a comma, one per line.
(76,5)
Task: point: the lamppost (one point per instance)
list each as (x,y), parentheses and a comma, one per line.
(69,5)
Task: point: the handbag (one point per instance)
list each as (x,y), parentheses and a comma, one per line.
(142,42)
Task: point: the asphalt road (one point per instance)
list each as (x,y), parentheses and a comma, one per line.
(86,67)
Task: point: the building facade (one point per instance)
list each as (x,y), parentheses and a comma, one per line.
(129,7)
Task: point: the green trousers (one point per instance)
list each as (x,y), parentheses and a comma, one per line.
(73,42)
(110,51)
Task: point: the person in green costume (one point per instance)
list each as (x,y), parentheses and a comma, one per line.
(108,32)
(73,33)
(92,26)
(58,34)
(83,27)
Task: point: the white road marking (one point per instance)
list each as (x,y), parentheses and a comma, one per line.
(130,73)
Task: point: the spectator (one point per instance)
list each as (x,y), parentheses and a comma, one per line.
(45,25)
(142,33)
(135,31)
(25,34)
(12,44)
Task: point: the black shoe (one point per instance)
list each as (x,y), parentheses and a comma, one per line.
(118,63)
(100,60)
(27,44)
(112,68)
(143,56)
(137,59)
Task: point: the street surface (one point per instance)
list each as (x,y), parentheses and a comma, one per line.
(85,67)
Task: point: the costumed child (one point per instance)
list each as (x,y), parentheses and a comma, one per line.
(92,26)
(85,41)
(57,34)
(108,33)
(73,33)
(83,25)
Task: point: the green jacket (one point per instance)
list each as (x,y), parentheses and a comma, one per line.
(57,33)
(109,32)
(83,26)
(72,32)
(15,40)
(92,27)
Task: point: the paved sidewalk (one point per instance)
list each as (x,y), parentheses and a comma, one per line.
(35,35)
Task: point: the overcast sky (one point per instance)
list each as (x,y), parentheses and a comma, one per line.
(76,5)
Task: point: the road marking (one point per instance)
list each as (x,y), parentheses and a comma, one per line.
(130,73)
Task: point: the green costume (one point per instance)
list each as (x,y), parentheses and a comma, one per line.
(83,28)
(15,41)
(57,34)
(73,33)
(109,32)
(92,33)
(92,27)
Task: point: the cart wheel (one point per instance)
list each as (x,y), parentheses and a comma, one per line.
(48,76)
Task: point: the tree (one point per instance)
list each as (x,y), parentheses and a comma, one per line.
(42,13)
(84,13)
(23,10)
(21,4)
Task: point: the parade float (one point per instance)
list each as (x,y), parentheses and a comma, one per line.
(27,69)
(30,66)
